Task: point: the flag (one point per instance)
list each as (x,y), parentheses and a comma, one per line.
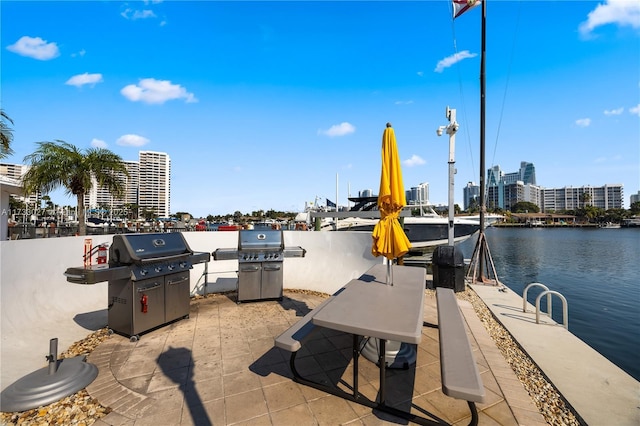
(461,6)
(330,203)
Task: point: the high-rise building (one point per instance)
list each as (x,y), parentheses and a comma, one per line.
(494,176)
(418,194)
(16,171)
(527,173)
(506,189)
(606,197)
(635,198)
(471,195)
(155,183)
(98,196)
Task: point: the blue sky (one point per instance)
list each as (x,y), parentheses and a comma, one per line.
(266,105)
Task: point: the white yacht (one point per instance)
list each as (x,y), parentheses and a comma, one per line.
(426,230)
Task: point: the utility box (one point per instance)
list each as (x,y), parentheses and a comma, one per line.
(448,268)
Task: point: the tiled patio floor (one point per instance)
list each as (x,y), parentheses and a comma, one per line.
(219,367)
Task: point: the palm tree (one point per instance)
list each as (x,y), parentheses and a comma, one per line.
(6,135)
(61,164)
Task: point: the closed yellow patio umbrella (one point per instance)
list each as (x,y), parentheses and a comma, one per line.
(389,239)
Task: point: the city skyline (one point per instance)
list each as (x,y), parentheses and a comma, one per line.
(502,188)
(262,104)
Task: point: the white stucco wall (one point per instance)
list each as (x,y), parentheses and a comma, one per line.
(37,303)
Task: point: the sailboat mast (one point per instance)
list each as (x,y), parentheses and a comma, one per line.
(483,206)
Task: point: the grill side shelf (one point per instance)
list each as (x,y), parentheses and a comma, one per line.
(96,274)
(294,252)
(225,254)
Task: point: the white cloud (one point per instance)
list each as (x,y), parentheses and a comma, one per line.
(616,111)
(420,73)
(341,129)
(80,53)
(414,161)
(403,102)
(132,140)
(617,12)
(35,47)
(583,122)
(152,91)
(137,14)
(98,143)
(86,78)
(453,59)
(635,110)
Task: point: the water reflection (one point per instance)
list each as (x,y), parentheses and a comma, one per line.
(595,269)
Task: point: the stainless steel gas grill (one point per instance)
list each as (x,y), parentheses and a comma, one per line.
(260,255)
(149,280)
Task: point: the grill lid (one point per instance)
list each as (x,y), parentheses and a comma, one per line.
(127,249)
(249,239)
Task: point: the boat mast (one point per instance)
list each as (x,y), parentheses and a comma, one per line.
(481,260)
(483,84)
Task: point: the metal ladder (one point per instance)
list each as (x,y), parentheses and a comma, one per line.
(548,293)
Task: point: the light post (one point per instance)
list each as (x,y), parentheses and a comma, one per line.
(451,130)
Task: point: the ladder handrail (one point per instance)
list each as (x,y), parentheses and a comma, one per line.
(565,309)
(524,296)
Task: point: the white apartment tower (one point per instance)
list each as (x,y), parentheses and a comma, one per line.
(98,196)
(16,171)
(154,183)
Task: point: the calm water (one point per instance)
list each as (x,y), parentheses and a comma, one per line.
(596,270)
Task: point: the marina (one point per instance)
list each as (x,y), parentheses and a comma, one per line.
(397,315)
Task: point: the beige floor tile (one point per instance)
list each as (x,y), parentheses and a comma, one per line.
(245,406)
(298,415)
(239,382)
(203,391)
(283,395)
(331,410)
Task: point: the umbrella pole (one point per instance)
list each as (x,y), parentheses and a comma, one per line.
(389,273)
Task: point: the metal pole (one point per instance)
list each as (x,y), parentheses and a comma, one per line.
(53,356)
(451,131)
(483,206)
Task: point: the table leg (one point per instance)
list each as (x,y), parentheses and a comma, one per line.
(356,355)
(382,360)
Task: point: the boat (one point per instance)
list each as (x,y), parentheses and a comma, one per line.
(424,231)
(610,225)
(489,218)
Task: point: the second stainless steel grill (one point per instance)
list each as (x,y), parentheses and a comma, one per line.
(260,255)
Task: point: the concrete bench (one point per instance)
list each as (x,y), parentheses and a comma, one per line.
(460,376)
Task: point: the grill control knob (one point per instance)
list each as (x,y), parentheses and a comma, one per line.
(143,272)
(183,264)
(158,268)
(171,267)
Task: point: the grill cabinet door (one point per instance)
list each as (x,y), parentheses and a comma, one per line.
(153,289)
(177,296)
(249,281)
(272,280)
